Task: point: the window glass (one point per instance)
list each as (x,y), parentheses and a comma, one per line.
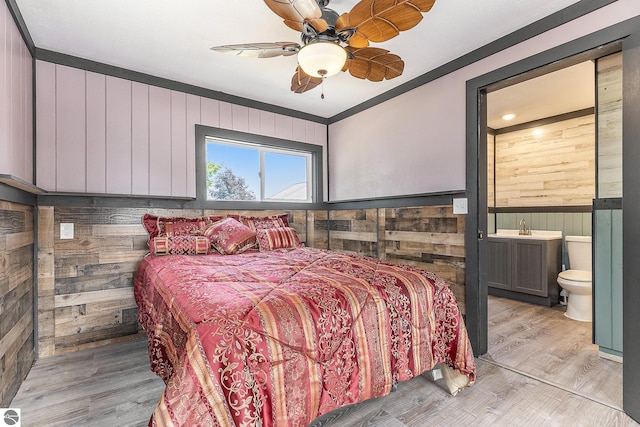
(286,176)
(252,172)
(233,172)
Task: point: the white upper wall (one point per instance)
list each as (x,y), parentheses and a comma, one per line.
(415,142)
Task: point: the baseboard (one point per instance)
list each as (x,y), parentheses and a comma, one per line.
(609,356)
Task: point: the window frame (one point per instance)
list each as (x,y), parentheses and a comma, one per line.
(204,132)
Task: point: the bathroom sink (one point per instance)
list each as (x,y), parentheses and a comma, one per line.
(535,234)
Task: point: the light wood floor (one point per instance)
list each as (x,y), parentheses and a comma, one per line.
(543,343)
(113,386)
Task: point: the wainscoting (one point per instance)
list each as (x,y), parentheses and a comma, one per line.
(608,294)
(570,223)
(16,297)
(429,237)
(85,296)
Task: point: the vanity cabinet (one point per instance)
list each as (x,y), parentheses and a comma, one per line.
(525,268)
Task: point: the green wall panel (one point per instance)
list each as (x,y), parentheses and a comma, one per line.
(608,279)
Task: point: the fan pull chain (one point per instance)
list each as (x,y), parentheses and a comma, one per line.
(322,88)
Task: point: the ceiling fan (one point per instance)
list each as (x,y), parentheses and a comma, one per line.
(332,43)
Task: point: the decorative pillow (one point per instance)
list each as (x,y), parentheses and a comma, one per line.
(229,236)
(180,227)
(180,245)
(150,223)
(262,222)
(216,218)
(285,219)
(277,238)
(155,225)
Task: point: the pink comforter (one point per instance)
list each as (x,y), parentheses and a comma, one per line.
(280,338)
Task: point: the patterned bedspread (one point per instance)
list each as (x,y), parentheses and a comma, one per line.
(280,338)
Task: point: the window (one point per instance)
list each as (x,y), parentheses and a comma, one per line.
(244,171)
(240,167)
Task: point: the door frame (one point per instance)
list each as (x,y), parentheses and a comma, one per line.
(631,223)
(623,36)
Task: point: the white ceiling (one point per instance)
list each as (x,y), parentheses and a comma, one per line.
(563,91)
(172,39)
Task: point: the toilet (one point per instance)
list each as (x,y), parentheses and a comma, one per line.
(577,280)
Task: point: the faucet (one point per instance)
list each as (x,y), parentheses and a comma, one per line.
(523,230)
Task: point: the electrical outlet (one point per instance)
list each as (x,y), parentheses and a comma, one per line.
(66,230)
(460,207)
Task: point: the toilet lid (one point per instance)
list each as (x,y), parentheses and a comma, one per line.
(576,275)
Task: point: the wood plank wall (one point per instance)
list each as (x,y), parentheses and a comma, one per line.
(429,237)
(85,284)
(16,297)
(553,168)
(90,298)
(610,126)
(317,229)
(354,231)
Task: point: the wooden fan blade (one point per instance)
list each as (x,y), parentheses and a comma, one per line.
(374,64)
(380,20)
(295,12)
(302,82)
(259,50)
(319,24)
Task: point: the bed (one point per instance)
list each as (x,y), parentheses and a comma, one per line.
(278,334)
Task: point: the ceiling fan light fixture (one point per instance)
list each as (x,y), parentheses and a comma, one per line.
(322,58)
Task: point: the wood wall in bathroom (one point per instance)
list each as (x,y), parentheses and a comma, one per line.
(549,165)
(554,164)
(610,126)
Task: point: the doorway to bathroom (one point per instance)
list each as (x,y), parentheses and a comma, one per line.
(602,43)
(626,38)
(543,176)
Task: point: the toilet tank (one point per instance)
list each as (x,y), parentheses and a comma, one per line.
(579,251)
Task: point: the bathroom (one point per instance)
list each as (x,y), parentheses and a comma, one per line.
(559,168)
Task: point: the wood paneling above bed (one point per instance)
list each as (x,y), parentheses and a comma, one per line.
(354,231)
(85,286)
(429,237)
